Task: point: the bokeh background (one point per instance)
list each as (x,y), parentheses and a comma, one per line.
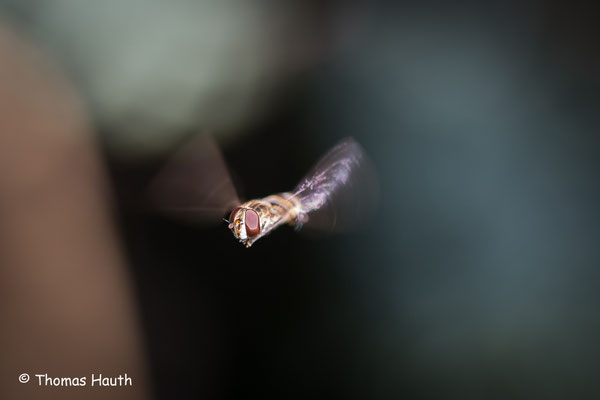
(479,276)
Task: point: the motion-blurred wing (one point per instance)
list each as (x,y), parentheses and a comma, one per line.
(341,192)
(195,185)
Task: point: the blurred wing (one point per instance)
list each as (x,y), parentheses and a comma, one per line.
(341,191)
(195,185)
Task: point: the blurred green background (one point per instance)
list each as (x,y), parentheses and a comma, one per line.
(479,277)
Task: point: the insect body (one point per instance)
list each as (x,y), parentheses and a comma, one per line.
(256,218)
(334,193)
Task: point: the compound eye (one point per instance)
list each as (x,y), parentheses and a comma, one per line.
(252,223)
(232,215)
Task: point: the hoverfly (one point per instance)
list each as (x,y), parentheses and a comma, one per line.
(337,194)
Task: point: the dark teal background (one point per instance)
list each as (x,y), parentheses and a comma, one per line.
(479,276)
